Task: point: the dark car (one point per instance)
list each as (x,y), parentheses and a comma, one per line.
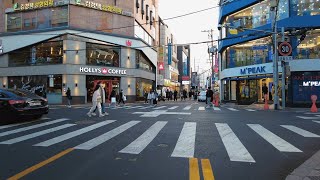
(21,104)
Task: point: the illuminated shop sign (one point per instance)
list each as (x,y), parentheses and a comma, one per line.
(103,70)
(311,83)
(253,70)
(102,7)
(39,5)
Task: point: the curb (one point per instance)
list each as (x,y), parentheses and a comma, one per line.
(309,170)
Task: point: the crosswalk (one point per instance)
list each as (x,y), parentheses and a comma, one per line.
(184,145)
(191,107)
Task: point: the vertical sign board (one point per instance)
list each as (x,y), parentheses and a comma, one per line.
(194,79)
(169,53)
(1,47)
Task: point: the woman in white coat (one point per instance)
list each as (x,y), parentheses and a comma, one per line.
(96,101)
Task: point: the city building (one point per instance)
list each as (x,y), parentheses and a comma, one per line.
(168,67)
(49,46)
(184,66)
(246,58)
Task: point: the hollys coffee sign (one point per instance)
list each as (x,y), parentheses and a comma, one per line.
(103,71)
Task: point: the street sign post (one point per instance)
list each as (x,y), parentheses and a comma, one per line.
(284,51)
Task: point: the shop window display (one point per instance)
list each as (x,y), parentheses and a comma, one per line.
(302,89)
(142,86)
(39,54)
(103,55)
(309,48)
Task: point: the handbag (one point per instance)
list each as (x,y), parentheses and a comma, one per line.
(124,98)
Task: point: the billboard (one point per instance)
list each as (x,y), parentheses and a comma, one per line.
(194,78)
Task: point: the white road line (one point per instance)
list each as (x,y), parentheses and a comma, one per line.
(186,142)
(201,109)
(145,107)
(161,107)
(273,139)
(235,149)
(306,117)
(311,113)
(45,118)
(187,108)
(13,125)
(300,131)
(32,127)
(73,134)
(251,110)
(232,109)
(106,136)
(317,122)
(216,109)
(33,135)
(173,107)
(142,141)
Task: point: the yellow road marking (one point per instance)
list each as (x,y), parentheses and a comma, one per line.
(206,169)
(41,164)
(193,169)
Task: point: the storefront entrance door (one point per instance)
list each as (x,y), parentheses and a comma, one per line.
(110,85)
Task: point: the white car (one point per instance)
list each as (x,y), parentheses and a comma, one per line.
(202,96)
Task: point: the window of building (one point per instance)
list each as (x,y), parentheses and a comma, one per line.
(259,14)
(143,86)
(305,7)
(39,54)
(59,16)
(26,23)
(309,48)
(14,22)
(141,33)
(253,52)
(103,55)
(143,62)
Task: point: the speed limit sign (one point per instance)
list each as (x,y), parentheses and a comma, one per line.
(284,49)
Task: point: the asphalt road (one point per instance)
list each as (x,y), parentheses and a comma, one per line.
(182,140)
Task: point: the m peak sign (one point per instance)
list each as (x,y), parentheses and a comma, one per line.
(253,70)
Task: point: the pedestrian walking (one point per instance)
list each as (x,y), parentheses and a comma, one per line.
(209,97)
(168,94)
(155,100)
(184,93)
(69,97)
(264,91)
(122,98)
(103,99)
(96,102)
(190,95)
(171,94)
(175,94)
(151,97)
(145,97)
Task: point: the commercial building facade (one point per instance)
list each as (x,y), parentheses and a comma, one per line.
(184,67)
(246,59)
(50,45)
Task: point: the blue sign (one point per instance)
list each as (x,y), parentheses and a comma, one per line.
(252,70)
(169,53)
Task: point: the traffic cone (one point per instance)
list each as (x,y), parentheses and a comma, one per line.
(216,103)
(314,108)
(266,105)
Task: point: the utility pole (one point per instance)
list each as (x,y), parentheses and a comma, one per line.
(211,50)
(273,9)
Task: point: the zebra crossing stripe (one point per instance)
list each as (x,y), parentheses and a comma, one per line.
(235,149)
(145,107)
(317,122)
(306,117)
(32,127)
(186,141)
(201,109)
(142,141)
(232,109)
(14,125)
(106,136)
(251,110)
(216,109)
(273,139)
(187,108)
(33,135)
(173,107)
(73,134)
(300,131)
(161,107)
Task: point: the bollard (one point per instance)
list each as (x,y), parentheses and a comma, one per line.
(266,105)
(216,104)
(314,108)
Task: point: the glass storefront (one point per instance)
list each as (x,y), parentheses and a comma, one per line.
(112,83)
(103,55)
(49,87)
(309,48)
(40,54)
(305,7)
(253,52)
(143,63)
(142,86)
(259,14)
(38,19)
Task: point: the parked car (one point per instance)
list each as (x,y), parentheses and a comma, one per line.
(16,104)
(202,96)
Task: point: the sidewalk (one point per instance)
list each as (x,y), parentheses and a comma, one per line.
(261,107)
(309,170)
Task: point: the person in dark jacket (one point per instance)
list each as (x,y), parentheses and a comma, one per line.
(175,94)
(69,97)
(209,96)
(264,90)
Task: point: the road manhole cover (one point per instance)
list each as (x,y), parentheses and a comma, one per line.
(85,122)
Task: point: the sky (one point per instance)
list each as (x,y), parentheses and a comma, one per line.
(188,29)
